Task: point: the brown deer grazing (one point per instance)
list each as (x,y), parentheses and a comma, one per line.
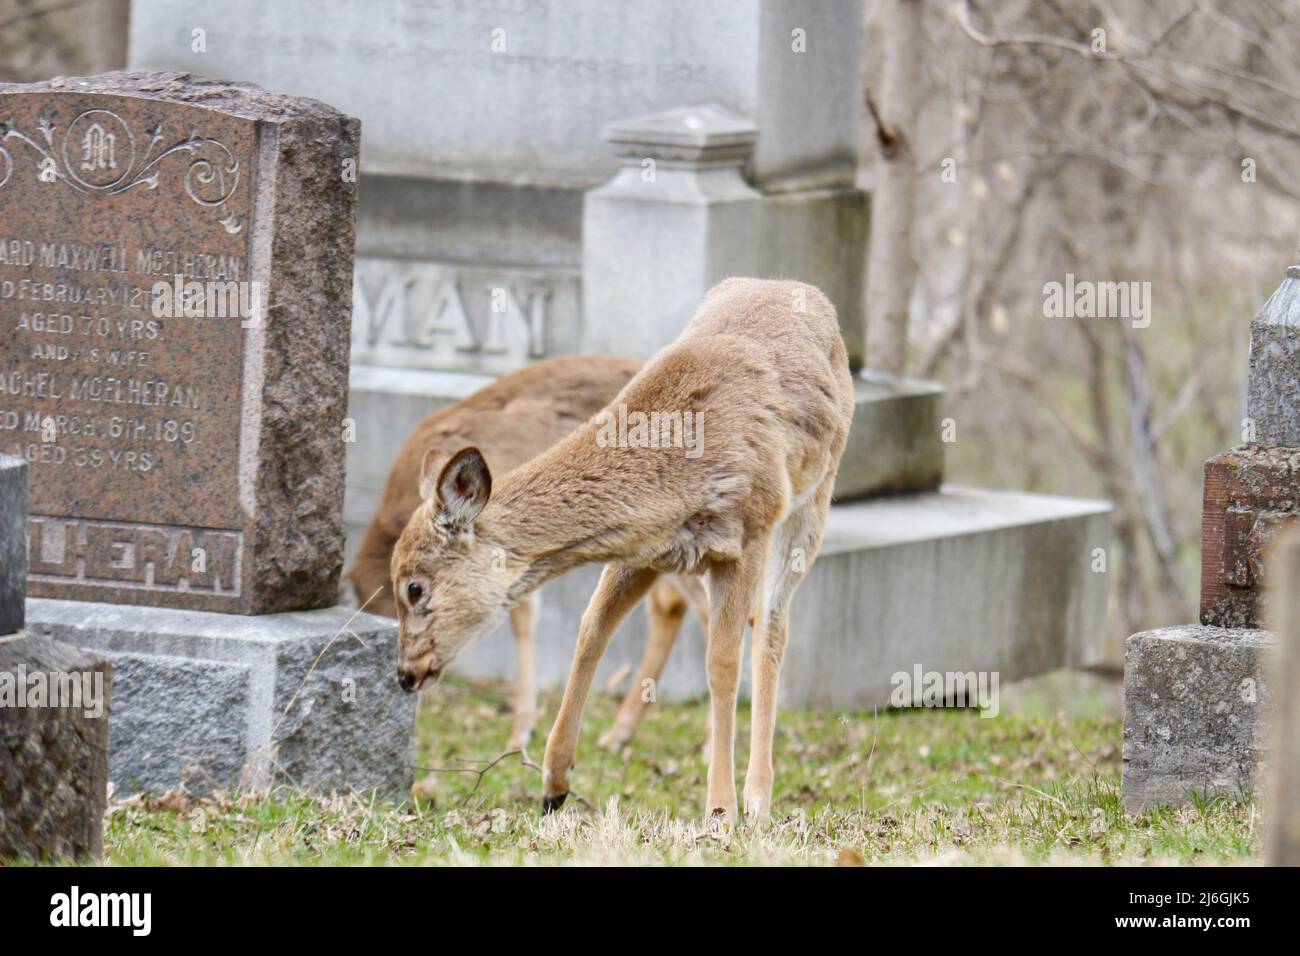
(516,418)
(762,365)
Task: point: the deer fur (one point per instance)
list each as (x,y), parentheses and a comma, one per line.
(515,418)
(764,363)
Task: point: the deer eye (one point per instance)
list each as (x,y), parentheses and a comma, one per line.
(414,591)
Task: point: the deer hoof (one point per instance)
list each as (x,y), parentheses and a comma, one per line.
(552,803)
(614,740)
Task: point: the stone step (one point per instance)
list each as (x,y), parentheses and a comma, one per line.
(952,580)
(895,443)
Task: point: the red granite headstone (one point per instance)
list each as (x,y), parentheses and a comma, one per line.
(175,293)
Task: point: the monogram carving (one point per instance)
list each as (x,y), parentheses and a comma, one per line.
(97,154)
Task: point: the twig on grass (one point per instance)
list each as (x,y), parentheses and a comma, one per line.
(481,772)
(1024,786)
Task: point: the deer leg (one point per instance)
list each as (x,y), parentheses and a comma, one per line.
(523,620)
(620,588)
(692,589)
(793,547)
(732,589)
(667,609)
(766,656)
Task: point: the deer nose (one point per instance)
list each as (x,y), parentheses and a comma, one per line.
(406,680)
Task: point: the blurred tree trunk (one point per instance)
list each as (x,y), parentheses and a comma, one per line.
(44,38)
(891,272)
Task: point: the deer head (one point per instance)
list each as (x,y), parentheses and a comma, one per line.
(450,580)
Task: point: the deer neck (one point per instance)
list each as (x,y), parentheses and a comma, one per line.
(551,519)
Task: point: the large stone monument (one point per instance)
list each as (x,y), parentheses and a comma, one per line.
(499,226)
(579,176)
(54,702)
(1197,697)
(175,279)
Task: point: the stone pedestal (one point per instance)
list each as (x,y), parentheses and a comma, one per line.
(680,216)
(677,219)
(222,702)
(1195,713)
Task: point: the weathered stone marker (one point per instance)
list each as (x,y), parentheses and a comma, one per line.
(175,298)
(1253,491)
(53,716)
(191,458)
(1196,717)
(1284,793)
(1195,713)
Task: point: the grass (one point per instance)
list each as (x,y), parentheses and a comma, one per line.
(898,787)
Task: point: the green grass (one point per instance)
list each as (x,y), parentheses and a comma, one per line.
(898,787)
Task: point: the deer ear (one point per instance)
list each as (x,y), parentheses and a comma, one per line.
(464,487)
(430,468)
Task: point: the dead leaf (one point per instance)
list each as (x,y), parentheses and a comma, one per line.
(173,800)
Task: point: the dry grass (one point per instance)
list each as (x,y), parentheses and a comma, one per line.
(923,787)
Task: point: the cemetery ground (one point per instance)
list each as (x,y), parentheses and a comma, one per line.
(898,787)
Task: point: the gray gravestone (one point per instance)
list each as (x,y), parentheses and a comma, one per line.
(54,703)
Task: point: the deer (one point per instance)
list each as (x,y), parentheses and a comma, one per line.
(763,367)
(511,420)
